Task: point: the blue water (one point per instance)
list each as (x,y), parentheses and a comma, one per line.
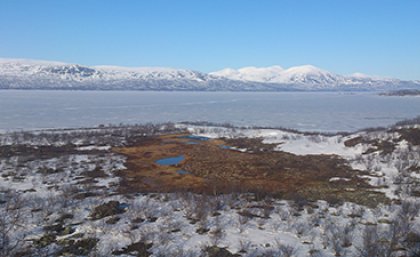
(199,138)
(171,160)
(225,147)
(36,109)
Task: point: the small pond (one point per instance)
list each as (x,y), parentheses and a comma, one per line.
(194,137)
(226,147)
(171,160)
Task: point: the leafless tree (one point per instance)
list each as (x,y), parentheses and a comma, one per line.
(242,220)
(346,237)
(11,220)
(244,246)
(217,232)
(369,247)
(285,250)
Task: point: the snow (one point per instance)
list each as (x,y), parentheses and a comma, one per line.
(286,141)
(304,145)
(305,76)
(276,74)
(305,228)
(335,179)
(93,147)
(267,74)
(383,170)
(26,74)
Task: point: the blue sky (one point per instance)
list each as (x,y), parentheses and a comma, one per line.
(375,37)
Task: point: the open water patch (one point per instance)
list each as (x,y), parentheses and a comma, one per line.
(171,160)
(194,137)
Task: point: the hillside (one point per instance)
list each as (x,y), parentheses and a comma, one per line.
(32,74)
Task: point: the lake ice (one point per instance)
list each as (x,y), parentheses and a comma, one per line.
(317,111)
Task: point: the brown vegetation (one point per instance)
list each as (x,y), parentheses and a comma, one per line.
(215,170)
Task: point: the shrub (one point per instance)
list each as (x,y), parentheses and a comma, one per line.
(107,209)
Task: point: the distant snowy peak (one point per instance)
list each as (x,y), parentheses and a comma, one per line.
(267,74)
(306,74)
(309,77)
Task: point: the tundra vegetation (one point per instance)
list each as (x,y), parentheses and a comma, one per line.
(242,192)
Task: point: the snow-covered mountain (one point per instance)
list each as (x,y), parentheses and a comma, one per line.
(308,77)
(33,74)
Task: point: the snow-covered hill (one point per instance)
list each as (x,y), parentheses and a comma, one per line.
(43,75)
(33,74)
(308,77)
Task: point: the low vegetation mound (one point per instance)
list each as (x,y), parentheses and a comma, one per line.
(107,209)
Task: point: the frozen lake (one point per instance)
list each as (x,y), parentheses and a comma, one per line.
(303,111)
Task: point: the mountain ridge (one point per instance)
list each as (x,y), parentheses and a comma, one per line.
(40,74)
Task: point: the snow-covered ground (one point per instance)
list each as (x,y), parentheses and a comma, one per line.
(384,168)
(52,203)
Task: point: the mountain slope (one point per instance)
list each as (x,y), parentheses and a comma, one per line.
(32,74)
(308,77)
